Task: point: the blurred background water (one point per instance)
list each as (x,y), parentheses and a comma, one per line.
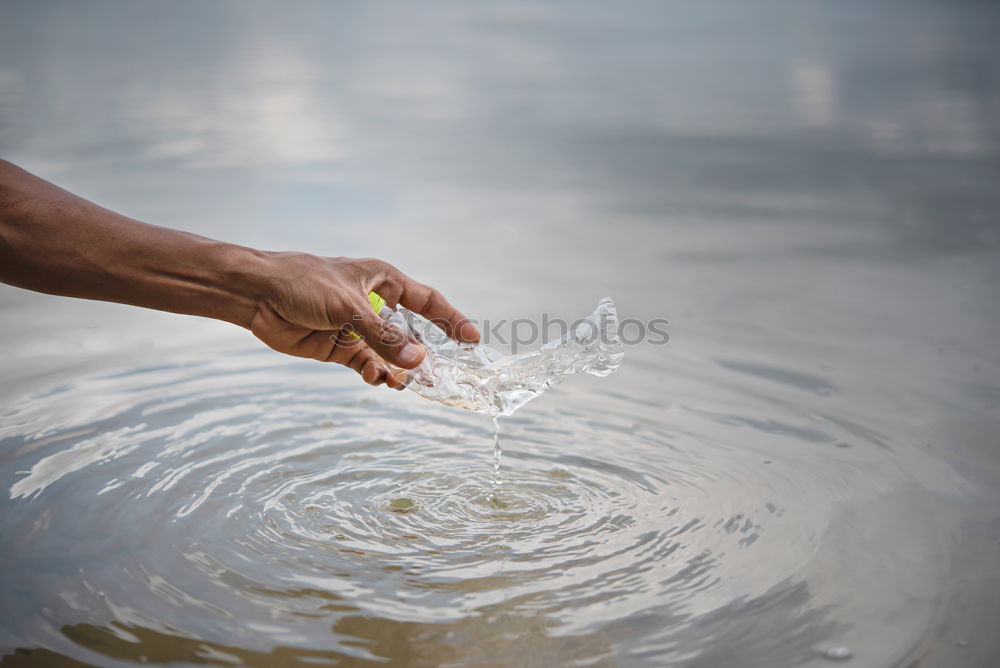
(808,191)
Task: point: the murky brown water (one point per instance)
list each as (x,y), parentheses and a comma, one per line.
(808,469)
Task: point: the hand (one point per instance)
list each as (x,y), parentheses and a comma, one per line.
(53,241)
(313,303)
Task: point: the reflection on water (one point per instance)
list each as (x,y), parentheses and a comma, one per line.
(807,191)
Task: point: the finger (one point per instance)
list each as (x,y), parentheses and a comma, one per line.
(393,381)
(431,304)
(388,341)
(321,345)
(362,359)
(373,372)
(353,355)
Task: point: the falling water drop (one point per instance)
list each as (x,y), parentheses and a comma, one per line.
(497,451)
(839,653)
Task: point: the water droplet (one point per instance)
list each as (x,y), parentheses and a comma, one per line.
(560,473)
(402,505)
(839,653)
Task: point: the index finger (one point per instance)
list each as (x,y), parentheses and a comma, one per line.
(431,304)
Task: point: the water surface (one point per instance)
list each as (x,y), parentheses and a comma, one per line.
(806,190)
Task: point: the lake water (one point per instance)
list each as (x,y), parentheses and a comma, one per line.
(808,470)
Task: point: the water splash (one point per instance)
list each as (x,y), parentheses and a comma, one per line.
(479,378)
(484,380)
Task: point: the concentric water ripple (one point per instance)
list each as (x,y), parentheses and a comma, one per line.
(280,507)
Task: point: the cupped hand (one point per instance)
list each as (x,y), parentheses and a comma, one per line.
(313,304)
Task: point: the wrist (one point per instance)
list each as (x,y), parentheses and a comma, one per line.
(244,275)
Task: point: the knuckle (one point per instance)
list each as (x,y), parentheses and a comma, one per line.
(387,335)
(433,299)
(370,264)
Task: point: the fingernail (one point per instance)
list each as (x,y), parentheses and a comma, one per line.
(469,332)
(410,354)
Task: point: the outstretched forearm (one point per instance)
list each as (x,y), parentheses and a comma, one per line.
(53,241)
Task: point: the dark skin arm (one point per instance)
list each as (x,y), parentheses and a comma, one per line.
(55,242)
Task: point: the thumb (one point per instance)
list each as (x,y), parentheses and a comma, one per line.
(390,342)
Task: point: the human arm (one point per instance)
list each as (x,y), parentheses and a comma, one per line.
(55,242)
